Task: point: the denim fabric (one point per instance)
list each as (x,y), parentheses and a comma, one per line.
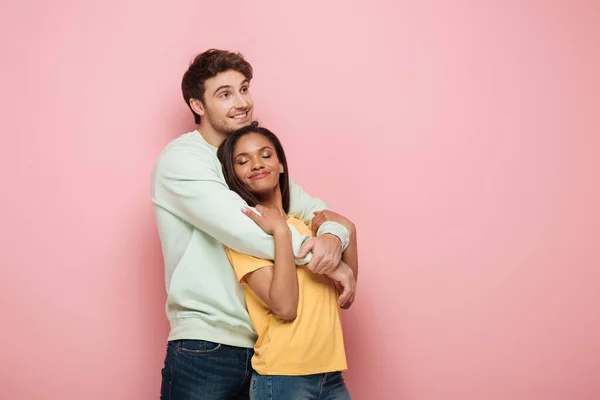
(329,386)
(202,370)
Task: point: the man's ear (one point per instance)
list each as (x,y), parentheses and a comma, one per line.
(197,106)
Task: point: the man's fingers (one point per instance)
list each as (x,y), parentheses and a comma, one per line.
(327,264)
(345,296)
(314,263)
(315,225)
(321,265)
(338,287)
(306,248)
(331,265)
(353,295)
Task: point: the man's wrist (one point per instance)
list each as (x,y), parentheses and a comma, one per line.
(337,230)
(333,235)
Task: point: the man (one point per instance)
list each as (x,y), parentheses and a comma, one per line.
(211,337)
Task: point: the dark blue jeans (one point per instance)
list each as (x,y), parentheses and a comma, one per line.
(328,386)
(201,370)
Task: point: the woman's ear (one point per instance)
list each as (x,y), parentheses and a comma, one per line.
(281,169)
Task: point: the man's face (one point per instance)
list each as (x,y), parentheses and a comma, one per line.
(228,105)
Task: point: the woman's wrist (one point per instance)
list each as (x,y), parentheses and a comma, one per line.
(282,231)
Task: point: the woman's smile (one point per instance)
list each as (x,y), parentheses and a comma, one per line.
(259,175)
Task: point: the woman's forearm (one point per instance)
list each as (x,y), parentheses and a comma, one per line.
(284,287)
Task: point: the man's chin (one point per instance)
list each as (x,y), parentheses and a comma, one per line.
(233,126)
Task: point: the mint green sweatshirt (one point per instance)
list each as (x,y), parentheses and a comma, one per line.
(196,215)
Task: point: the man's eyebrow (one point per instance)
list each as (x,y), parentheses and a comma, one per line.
(245,81)
(222,87)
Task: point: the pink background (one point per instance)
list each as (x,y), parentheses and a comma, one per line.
(461,139)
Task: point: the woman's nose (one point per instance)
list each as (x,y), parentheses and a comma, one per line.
(258,164)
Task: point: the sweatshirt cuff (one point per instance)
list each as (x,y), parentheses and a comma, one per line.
(298,241)
(338,230)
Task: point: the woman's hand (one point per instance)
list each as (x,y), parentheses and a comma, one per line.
(271,219)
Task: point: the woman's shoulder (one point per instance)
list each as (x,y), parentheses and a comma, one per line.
(299,225)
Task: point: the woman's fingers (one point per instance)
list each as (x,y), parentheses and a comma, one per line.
(252,215)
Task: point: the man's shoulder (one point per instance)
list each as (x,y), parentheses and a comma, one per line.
(190,142)
(187,147)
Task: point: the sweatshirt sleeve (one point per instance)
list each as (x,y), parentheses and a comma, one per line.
(187,183)
(302,205)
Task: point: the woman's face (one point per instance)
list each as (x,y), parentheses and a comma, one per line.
(256,164)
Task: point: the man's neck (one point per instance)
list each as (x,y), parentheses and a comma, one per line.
(211,136)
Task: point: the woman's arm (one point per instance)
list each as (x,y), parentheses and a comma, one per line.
(277,286)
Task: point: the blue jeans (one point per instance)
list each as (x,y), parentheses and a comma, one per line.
(202,370)
(328,386)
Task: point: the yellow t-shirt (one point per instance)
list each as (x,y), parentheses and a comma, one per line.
(313,343)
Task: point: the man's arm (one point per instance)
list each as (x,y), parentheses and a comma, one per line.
(303,206)
(342,276)
(350,256)
(187,184)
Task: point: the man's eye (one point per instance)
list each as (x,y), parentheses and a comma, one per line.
(244,89)
(224,95)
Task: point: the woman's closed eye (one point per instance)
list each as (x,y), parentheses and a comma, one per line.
(266,153)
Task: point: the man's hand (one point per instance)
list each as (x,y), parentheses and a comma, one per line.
(329,216)
(326,253)
(344,281)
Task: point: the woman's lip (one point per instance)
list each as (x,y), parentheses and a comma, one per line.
(260,175)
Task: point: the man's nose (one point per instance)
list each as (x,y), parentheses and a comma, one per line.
(241,101)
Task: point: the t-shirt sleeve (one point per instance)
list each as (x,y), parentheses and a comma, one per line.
(243,264)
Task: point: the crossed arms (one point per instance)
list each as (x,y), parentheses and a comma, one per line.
(190,185)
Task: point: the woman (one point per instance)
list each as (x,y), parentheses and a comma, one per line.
(299,353)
